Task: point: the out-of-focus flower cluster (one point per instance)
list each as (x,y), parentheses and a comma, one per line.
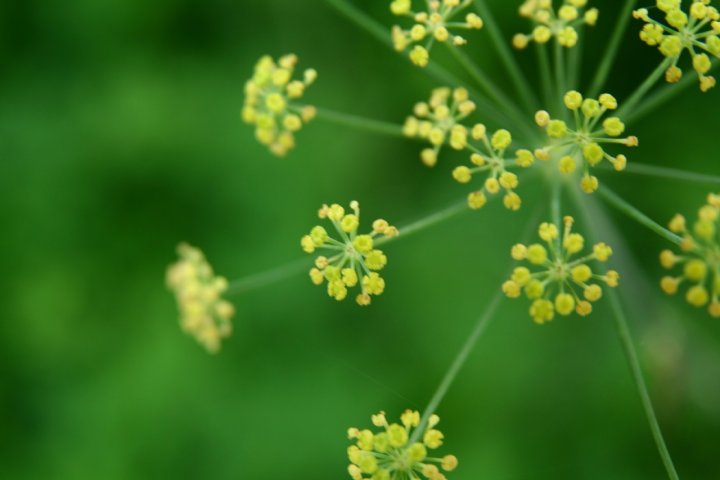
(204,314)
(583,146)
(549,23)
(699,258)
(267,102)
(697,31)
(432,25)
(555,287)
(394,454)
(351,261)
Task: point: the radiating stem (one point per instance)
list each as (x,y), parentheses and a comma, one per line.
(375,126)
(560,78)
(613,45)
(664,95)
(555,200)
(632,212)
(671,173)
(575,61)
(637,375)
(545,75)
(632,101)
(268,277)
(522,85)
(426,222)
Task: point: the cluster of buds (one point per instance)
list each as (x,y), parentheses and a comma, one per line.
(439,122)
(697,31)
(583,145)
(699,258)
(549,23)
(267,102)
(430,26)
(554,288)
(394,454)
(204,314)
(353,260)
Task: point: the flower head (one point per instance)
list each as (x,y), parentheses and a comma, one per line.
(268,96)
(696,30)
(430,26)
(549,23)
(439,122)
(204,314)
(391,455)
(563,284)
(353,259)
(699,258)
(582,148)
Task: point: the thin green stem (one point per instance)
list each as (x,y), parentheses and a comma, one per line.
(426,222)
(670,173)
(632,101)
(632,212)
(522,85)
(555,200)
(268,277)
(545,75)
(575,62)
(612,49)
(457,364)
(559,74)
(346,120)
(664,95)
(634,364)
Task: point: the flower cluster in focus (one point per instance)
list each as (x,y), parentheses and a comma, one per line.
(433,25)
(198,291)
(583,145)
(549,23)
(392,454)
(699,259)
(554,288)
(267,102)
(697,31)
(353,260)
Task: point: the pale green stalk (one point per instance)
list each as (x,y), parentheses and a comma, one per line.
(632,212)
(560,77)
(632,101)
(522,85)
(575,62)
(671,173)
(428,221)
(545,75)
(611,52)
(352,121)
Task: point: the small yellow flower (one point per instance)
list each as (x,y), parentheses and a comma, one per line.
(268,97)
(697,31)
(699,259)
(549,23)
(563,284)
(353,259)
(204,314)
(430,26)
(584,145)
(393,454)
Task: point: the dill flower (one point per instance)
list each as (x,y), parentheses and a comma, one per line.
(583,146)
(699,258)
(354,260)
(268,97)
(697,31)
(430,26)
(550,23)
(439,122)
(204,314)
(563,284)
(390,455)
(490,159)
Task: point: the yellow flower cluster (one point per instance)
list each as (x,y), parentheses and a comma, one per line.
(553,289)
(354,260)
(583,145)
(490,159)
(267,102)
(204,314)
(391,455)
(561,24)
(697,31)
(700,258)
(438,122)
(432,25)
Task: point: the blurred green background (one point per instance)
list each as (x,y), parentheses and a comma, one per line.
(120,137)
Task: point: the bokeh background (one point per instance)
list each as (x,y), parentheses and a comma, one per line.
(120,136)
